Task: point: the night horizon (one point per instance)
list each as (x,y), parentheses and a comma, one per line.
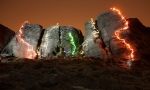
(67,13)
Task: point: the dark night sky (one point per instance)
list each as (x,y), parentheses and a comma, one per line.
(67,12)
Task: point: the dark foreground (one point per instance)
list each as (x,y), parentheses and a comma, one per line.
(73,75)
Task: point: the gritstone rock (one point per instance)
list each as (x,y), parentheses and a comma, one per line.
(108,22)
(24,43)
(5,36)
(71,39)
(60,40)
(92,46)
(50,41)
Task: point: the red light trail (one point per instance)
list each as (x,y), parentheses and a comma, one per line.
(124,28)
(31,54)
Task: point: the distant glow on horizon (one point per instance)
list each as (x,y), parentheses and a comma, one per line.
(124,28)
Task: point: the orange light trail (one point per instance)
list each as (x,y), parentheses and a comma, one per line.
(31,54)
(124,28)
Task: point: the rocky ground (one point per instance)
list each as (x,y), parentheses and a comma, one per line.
(77,74)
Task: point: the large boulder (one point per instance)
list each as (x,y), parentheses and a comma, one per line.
(109,22)
(24,43)
(71,39)
(92,45)
(5,36)
(50,41)
(60,40)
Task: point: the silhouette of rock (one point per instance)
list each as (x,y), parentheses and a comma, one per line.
(5,36)
(138,36)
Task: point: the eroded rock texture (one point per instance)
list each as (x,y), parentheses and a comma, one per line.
(60,40)
(24,43)
(108,22)
(71,39)
(50,41)
(92,45)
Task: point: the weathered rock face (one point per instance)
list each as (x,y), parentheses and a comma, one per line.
(60,40)
(71,39)
(24,43)
(92,45)
(108,22)
(89,29)
(5,36)
(50,41)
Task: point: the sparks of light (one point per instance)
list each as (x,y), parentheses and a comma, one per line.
(73,43)
(117,33)
(31,54)
(94,34)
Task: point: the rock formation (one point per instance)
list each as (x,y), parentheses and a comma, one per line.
(138,36)
(64,38)
(5,36)
(49,42)
(24,43)
(70,40)
(100,39)
(92,45)
(109,22)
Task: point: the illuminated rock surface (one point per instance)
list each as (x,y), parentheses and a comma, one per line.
(24,43)
(5,36)
(90,46)
(108,22)
(70,40)
(77,74)
(49,42)
(30,41)
(65,37)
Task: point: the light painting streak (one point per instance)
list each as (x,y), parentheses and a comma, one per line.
(124,28)
(31,54)
(73,43)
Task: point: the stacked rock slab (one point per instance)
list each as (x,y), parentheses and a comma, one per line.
(24,43)
(60,38)
(71,39)
(108,22)
(92,48)
(5,36)
(50,41)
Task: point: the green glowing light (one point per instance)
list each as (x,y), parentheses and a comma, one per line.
(73,43)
